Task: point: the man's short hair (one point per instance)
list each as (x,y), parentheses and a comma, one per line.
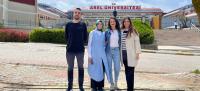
(78,9)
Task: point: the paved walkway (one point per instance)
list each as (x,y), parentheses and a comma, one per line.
(54,54)
(23,77)
(36,66)
(177,37)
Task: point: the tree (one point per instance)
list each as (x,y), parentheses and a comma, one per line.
(70,15)
(196,4)
(183,19)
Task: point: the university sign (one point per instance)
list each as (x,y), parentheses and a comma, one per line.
(115,7)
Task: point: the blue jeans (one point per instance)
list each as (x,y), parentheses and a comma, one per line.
(114,55)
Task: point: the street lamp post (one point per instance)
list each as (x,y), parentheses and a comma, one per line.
(143,19)
(115,13)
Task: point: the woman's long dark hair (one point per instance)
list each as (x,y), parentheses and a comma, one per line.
(131,27)
(117,26)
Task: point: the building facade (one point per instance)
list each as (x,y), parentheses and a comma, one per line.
(92,13)
(18,13)
(28,14)
(50,17)
(184,17)
(46,12)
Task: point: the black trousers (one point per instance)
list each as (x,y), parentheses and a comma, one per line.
(98,85)
(176,26)
(70,61)
(129,72)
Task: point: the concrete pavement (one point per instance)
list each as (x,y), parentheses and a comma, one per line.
(42,65)
(54,55)
(28,77)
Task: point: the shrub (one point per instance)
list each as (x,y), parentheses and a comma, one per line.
(91,28)
(10,35)
(57,35)
(48,35)
(145,31)
(197,71)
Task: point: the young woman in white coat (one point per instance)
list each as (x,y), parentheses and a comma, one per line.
(131,50)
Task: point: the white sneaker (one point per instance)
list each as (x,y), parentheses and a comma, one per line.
(116,87)
(112,87)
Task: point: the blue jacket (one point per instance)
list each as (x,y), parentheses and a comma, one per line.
(107,40)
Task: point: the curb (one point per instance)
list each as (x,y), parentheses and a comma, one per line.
(171,52)
(65,67)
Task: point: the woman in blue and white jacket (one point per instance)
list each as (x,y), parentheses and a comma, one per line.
(113,47)
(97,60)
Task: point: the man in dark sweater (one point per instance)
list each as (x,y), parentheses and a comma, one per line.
(76,36)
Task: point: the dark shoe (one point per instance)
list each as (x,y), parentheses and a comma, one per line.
(69,89)
(130,90)
(94,89)
(82,89)
(100,89)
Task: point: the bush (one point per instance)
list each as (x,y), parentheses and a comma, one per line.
(9,35)
(91,28)
(197,71)
(48,35)
(57,35)
(145,31)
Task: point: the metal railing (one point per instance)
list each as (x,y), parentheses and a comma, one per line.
(194,27)
(19,24)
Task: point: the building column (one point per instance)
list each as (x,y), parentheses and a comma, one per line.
(5,12)
(37,14)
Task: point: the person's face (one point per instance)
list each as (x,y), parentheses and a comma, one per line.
(126,23)
(100,25)
(112,23)
(77,14)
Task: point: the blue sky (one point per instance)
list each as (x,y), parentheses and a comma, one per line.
(165,5)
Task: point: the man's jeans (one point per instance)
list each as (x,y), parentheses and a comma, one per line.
(70,61)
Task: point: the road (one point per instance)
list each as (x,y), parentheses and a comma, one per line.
(54,55)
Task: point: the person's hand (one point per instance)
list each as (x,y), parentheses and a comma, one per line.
(137,56)
(90,60)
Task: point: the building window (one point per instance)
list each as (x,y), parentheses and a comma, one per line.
(41,17)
